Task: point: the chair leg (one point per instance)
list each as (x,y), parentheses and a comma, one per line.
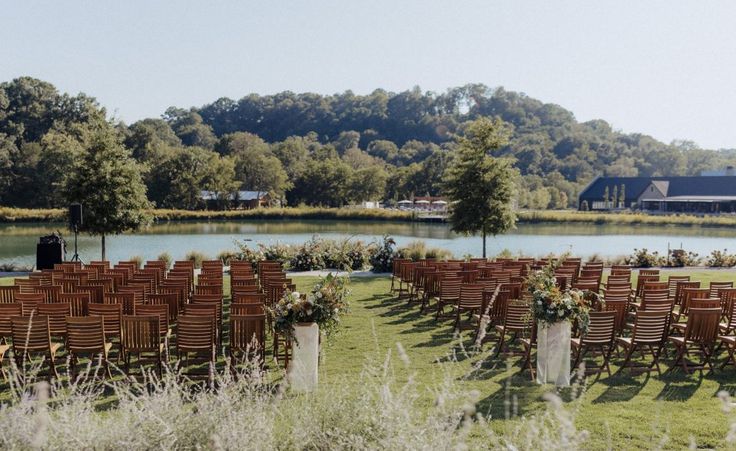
(629,352)
(52,366)
(576,360)
(501,341)
(606,358)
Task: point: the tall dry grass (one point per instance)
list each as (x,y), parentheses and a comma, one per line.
(249,411)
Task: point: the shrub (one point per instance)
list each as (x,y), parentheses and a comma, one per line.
(382,255)
(278,251)
(642,258)
(196,257)
(14,267)
(165,257)
(138,260)
(438,253)
(681,257)
(246,253)
(505,253)
(309,256)
(415,250)
(720,259)
(227,256)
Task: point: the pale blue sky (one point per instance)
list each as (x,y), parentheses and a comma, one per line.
(665,68)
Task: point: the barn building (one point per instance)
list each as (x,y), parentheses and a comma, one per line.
(695,194)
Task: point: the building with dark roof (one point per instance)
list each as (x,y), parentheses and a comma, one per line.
(239,199)
(695,194)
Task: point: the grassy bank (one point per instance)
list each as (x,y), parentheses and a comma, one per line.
(8,214)
(582,217)
(59,215)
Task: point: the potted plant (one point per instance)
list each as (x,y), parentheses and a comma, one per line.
(554,311)
(301,317)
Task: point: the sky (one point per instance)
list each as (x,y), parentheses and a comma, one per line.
(664,68)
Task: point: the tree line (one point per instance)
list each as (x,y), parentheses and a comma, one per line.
(328,150)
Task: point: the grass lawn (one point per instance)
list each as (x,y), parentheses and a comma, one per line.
(620,412)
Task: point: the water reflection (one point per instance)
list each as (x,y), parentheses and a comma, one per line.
(18,241)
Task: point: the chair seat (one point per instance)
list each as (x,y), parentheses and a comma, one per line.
(626,341)
(3,350)
(575,342)
(55,347)
(728,339)
(680,327)
(723,326)
(499,328)
(677,340)
(527,342)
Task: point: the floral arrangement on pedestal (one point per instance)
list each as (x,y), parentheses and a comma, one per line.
(323,305)
(551,305)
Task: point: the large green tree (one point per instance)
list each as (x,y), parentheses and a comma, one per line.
(481,186)
(107,182)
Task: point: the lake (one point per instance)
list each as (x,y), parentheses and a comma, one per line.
(18,241)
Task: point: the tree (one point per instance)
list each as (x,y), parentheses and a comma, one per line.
(622,194)
(107,182)
(479,185)
(367,184)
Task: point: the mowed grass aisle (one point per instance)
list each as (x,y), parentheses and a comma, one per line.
(620,412)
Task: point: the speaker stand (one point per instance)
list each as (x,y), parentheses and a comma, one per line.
(76,258)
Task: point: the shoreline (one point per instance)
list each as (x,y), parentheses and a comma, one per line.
(18,215)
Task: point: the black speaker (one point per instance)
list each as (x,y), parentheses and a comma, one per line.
(49,251)
(75,215)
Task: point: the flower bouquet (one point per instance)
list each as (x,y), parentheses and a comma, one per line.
(554,311)
(323,306)
(300,317)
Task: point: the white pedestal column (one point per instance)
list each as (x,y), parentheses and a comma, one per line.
(553,353)
(302,373)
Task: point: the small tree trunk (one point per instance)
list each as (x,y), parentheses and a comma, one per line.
(103,248)
(484,242)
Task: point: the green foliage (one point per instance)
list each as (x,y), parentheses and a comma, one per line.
(680,258)
(107,182)
(326,150)
(414,250)
(642,258)
(479,185)
(309,256)
(383,254)
(324,305)
(138,260)
(720,259)
(227,256)
(197,257)
(438,253)
(166,258)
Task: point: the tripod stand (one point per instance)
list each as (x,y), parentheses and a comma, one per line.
(75,258)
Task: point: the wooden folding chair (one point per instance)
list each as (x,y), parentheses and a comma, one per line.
(31,336)
(196,335)
(649,333)
(86,336)
(600,336)
(141,335)
(112,316)
(248,338)
(517,321)
(700,336)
